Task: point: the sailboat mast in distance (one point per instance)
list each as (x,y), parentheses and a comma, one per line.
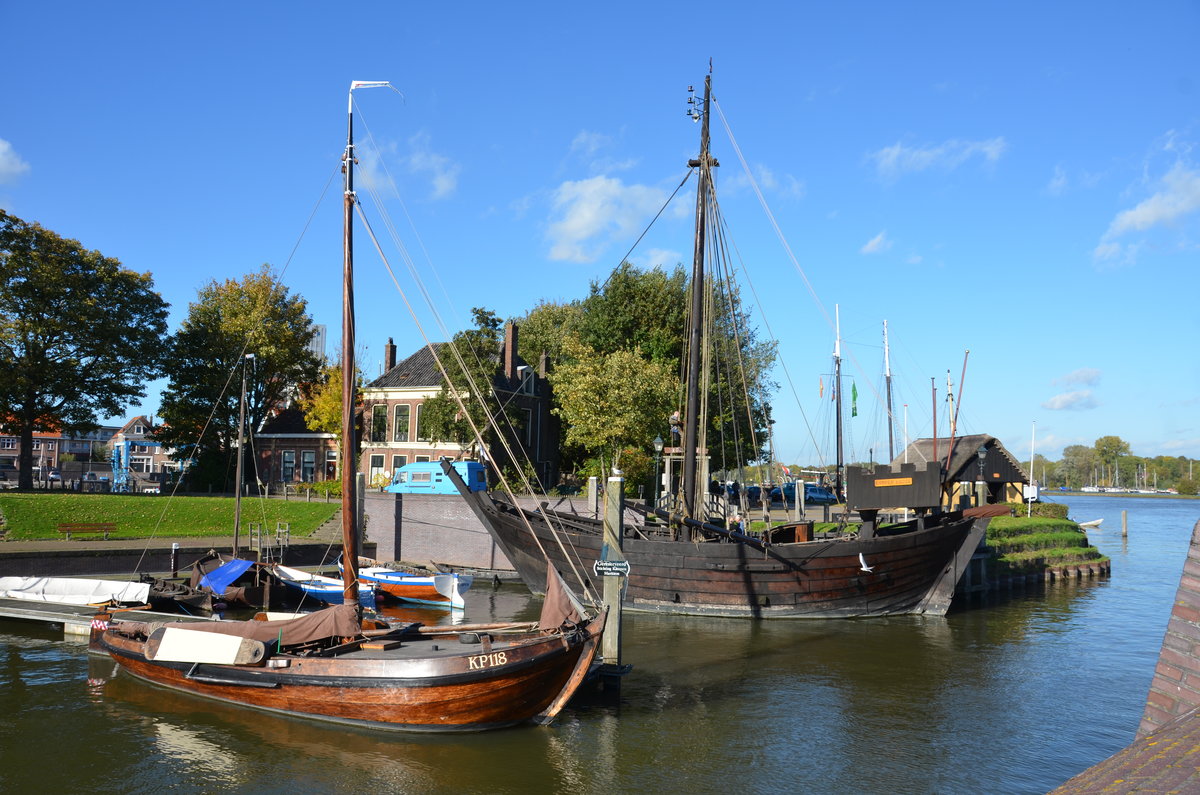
(696,330)
(887,380)
(837,397)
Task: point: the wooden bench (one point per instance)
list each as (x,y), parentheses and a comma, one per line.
(87,528)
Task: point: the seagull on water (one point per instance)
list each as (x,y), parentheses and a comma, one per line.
(863,562)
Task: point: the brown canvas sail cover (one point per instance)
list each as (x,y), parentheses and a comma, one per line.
(559,607)
(338,621)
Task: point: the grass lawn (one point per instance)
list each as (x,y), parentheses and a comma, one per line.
(29,516)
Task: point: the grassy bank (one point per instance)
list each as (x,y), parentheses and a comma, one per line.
(1030,545)
(31,516)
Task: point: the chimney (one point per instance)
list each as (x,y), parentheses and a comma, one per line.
(389,355)
(510,351)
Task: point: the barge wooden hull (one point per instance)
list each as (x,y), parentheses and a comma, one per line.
(428,684)
(910,572)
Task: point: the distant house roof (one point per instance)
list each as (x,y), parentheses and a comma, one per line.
(289,422)
(964,459)
(417,371)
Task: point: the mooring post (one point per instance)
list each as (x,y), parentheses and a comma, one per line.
(1124,524)
(174,558)
(613,568)
(593,496)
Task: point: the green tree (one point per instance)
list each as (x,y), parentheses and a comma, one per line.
(1109,450)
(647,311)
(1078,465)
(321,402)
(610,401)
(634,308)
(546,328)
(79,335)
(255,315)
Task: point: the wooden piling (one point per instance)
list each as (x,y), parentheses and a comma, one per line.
(593,496)
(1124,524)
(613,568)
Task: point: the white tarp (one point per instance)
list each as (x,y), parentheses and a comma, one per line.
(72,590)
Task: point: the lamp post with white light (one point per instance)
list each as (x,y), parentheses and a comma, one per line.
(658,448)
(981,454)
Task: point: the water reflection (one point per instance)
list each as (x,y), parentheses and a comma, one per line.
(1013,695)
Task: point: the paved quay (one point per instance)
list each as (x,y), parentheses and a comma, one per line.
(127,556)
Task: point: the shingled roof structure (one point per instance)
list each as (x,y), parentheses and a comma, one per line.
(999,464)
(418,370)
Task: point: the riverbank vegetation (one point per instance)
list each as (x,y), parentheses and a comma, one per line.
(1035,544)
(36,516)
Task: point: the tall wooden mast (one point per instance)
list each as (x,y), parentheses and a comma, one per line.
(349,447)
(691,420)
(349,465)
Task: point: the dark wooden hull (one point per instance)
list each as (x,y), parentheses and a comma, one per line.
(431,683)
(912,572)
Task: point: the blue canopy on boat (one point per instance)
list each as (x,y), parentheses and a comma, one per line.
(220,578)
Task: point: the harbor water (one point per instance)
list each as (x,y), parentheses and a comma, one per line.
(1014,693)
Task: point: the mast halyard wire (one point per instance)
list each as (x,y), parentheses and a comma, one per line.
(241,456)
(458,398)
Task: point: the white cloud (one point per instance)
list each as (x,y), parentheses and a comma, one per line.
(1088,376)
(877,244)
(768,181)
(1181,444)
(914,259)
(893,162)
(1177,197)
(443,172)
(11,165)
(587,143)
(1058,183)
(592,211)
(661,258)
(1081,400)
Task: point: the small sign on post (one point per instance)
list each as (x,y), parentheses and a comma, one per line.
(604,568)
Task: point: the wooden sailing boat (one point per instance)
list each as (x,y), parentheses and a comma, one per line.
(326,665)
(692,566)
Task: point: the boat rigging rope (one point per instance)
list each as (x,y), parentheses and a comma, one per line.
(791,256)
(654,220)
(467,415)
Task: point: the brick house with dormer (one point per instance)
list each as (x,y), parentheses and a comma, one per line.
(392,427)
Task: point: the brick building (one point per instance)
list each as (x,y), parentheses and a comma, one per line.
(393,433)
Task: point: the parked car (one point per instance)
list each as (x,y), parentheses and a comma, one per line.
(818,495)
(785,492)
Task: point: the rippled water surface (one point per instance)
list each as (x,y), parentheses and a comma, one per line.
(1012,696)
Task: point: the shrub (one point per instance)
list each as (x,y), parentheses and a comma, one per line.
(1053,510)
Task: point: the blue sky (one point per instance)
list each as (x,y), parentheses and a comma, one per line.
(1021,180)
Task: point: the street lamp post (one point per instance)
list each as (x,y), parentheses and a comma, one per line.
(658,448)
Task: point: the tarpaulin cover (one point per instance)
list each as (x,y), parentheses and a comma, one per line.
(220,578)
(339,621)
